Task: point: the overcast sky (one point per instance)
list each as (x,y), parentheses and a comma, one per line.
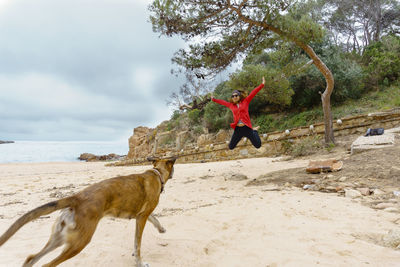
(81,69)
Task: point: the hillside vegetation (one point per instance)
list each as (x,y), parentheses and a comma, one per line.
(364,82)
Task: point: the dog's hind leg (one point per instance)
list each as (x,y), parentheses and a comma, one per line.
(54,242)
(75,239)
(156,223)
(57,237)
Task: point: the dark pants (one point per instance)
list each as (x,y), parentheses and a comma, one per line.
(245,131)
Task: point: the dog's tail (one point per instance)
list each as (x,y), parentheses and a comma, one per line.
(36,213)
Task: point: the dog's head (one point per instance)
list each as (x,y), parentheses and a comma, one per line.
(165,164)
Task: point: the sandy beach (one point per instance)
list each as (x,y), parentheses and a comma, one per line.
(212,219)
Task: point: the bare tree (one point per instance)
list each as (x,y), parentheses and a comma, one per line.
(192,94)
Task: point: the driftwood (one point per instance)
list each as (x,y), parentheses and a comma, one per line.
(198,103)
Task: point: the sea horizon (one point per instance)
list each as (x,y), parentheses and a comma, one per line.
(58,151)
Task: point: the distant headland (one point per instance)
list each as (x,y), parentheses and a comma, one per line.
(6,142)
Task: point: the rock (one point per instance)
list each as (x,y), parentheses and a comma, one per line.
(307,186)
(222,136)
(396,193)
(342,179)
(141,142)
(87,157)
(392,239)
(364,143)
(91,157)
(244,152)
(384,205)
(324,166)
(6,142)
(391,209)
(364,191)
(378,192)
(235,177)
(204,140)
(351,193)
(339,188)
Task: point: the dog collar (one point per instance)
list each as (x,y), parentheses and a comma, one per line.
(161,179)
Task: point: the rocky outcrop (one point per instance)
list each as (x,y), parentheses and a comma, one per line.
(6,142)
(213,147)
(141,142)
(91,157)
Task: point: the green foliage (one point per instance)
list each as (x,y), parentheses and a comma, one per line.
(174,121)
(347,73)
(300,26)
(175,115)
(198,130)
(167,140)
(382,61)
(276,90)
(194,116)
(330,147)
(267,123)
(217,117)
(240,27)
(280,122)
(277,55)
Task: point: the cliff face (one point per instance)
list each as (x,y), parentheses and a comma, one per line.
(140,143)
(212,147)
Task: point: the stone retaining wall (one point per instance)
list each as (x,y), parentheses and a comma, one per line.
(214,147)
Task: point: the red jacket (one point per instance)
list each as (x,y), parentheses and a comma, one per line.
(241,112)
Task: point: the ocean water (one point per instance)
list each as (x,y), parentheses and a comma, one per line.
(54,151)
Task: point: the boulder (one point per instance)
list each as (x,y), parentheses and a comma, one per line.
(140,143)
(392,239)
(363,143)
(222,136)
(324,166)
(204,140)
(351,193)
(91,157)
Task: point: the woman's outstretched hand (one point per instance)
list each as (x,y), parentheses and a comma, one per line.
(263,80)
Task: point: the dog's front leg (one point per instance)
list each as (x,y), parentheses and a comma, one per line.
(156,223)
(140,223)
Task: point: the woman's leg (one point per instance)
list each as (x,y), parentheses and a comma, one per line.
(237,135)
(253,137)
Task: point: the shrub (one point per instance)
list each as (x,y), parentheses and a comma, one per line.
(347,72)
(382,61)
(198,130)
(266,122)
(217,117)
(270,123)
(194,116)
(276,92)
(307,146)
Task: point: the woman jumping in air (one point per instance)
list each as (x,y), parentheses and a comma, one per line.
(239,105)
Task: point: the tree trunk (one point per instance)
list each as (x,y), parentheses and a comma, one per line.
(326,96)
(378,20)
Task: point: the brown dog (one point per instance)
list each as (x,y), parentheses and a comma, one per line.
(132,196)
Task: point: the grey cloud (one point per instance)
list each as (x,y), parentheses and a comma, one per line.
(81,65)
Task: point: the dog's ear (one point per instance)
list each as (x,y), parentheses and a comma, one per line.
(152,159)
(172,160)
